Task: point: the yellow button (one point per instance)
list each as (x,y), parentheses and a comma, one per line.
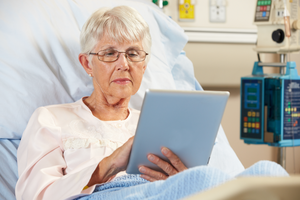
(253,125)
(249,114)
(245,124)
(249,125)
(253,114)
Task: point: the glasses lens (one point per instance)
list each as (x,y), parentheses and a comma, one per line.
(108,55)
(111,55)
(135,55)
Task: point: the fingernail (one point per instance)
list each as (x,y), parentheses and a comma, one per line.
(142,169)
(151,158)
(165,150)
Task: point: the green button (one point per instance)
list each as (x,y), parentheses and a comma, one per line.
(269,2)
(289,119)
(253,119)
(258,3)
(257,119)
(249,119)
(249,130)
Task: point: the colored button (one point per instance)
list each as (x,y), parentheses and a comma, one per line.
(249,130)
(253,119)
(249,114)
(257,130)
(257,114)
(253,125)
(264,14)
(258,3)
(253,130)
(257,125)
(249,119)
(245,124)
(245,119)
(249,124)
(261,8)
(245,130)
(257,119)
(253,114)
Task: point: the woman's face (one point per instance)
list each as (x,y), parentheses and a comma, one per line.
(121,78)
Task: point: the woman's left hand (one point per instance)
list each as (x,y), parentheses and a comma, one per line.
(175,167)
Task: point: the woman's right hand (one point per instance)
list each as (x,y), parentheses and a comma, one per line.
(113,164)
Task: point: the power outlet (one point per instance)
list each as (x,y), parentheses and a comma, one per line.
(279,13)
(217,11)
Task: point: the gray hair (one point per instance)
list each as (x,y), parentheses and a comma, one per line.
(121,24)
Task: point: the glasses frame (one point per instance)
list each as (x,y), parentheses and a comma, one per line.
(119,52)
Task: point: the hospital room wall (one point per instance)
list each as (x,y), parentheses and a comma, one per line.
(219,66)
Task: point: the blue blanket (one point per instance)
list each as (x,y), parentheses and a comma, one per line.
(181,185)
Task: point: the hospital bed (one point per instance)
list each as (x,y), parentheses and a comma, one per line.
(39,47)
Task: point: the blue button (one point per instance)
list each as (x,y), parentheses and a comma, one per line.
(264,14)
(257,130)
(253,130)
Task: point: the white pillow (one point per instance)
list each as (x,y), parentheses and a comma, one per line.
(39,56)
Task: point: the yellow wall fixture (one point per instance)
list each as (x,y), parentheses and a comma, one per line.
(186,10)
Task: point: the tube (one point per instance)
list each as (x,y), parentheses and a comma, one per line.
(286,19)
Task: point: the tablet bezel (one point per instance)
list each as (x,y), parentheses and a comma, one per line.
(162,101)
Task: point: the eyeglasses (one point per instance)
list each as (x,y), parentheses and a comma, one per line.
(112,55)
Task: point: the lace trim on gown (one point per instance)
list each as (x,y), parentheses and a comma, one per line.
(77,143)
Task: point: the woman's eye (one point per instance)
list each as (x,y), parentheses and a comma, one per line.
(132,54)
(110,53)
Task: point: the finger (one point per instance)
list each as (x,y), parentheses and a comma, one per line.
(152,173)
(175,161)
(148,178)
(167,167)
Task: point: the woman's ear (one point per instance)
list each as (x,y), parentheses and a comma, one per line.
(144,69)
(83,59)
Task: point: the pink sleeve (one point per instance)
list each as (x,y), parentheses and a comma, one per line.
(41,163)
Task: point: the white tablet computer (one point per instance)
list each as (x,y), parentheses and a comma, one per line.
(186,122)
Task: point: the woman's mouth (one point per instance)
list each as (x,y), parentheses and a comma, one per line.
(122,81)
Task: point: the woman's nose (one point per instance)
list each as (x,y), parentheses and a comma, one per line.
(122,61)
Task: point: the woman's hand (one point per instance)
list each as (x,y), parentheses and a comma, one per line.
(175,167)
(111,165)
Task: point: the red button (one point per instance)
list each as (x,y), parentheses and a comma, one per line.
(262,8)
(257,125)
(245,119)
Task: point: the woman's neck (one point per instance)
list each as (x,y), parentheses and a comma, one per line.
(107,108)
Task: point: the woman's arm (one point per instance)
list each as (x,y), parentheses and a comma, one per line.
(111,165)
(41,162)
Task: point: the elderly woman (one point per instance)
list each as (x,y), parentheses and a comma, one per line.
(68,149)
